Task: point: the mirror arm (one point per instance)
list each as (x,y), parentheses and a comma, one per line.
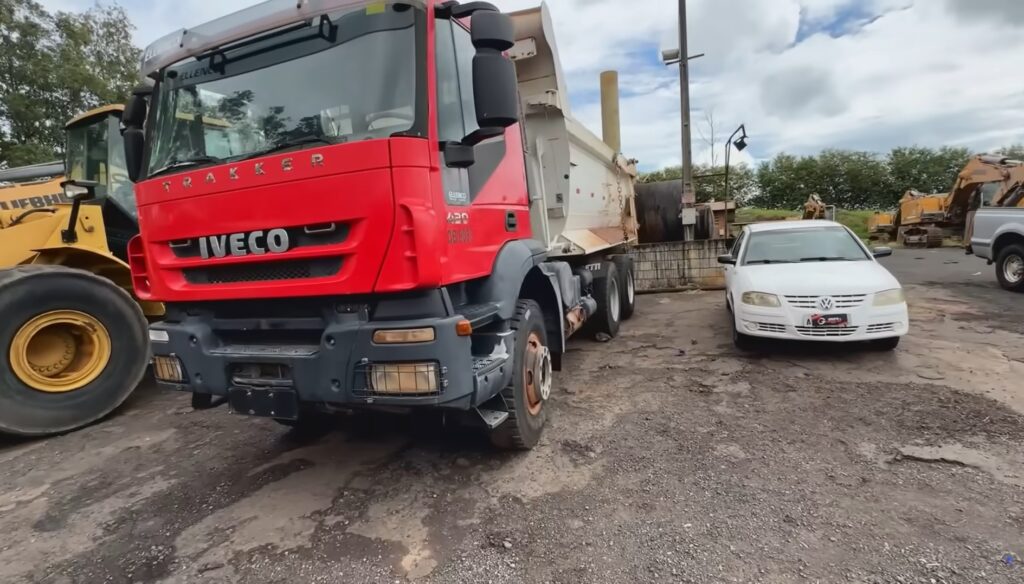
(70,235)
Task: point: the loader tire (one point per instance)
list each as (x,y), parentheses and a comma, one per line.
(607,291)
(1010,267)
(627,285)
(73,347)
(527,394)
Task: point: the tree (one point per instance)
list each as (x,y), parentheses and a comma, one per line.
(925,169)
(53,66)
(1014,151)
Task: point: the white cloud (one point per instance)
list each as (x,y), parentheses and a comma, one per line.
(802,74)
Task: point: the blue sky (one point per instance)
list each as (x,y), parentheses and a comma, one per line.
(803,75)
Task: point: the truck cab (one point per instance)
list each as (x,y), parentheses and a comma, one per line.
(335,207)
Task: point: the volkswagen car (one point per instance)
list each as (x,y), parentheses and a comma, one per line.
(811,281)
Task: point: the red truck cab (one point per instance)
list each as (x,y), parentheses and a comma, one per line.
(333,205)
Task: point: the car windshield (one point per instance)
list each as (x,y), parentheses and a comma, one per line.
(349,76)
(816,244)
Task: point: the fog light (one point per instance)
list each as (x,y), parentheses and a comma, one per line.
(751,326)
(404,336)
(403,378)
(168,369)
(158,336)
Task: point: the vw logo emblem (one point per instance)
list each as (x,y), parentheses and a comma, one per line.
(826,303)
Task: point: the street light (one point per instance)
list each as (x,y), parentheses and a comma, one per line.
(741,145)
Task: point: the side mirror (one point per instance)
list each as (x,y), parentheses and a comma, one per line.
(79,190)
(881,252)
(134,115)
(495,85)
(134,147)
(727,259)
(458,154)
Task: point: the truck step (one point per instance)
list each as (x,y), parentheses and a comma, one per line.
(479,314)
(492,418)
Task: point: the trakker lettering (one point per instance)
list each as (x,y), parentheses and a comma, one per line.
(234,172)
(243,244)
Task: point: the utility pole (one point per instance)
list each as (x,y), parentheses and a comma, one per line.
(689,194)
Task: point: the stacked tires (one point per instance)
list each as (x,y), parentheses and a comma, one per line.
(73,347)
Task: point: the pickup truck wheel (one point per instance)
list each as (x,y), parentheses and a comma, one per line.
(1010,268)
(627,293)
(527,395)
(609,304)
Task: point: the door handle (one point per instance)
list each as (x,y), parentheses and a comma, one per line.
(511,221)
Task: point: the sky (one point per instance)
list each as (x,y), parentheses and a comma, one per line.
(801,75)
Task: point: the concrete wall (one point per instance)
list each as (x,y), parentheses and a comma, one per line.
(679,265)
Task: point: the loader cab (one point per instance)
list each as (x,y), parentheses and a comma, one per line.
(95,152)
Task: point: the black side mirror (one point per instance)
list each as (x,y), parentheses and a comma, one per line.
(881,252)
(133,119)
(134,115)
(78,191)
(495,85)
(458,154)
(727,259)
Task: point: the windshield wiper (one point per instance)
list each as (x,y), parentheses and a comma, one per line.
(176,164)
(826,259)
(292,143)
(756,262)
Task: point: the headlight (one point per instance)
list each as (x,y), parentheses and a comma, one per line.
(761,299)
(890,297)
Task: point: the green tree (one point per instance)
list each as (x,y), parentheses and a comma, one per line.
(1014,151)
(709,181)
(924,169)
(53,66)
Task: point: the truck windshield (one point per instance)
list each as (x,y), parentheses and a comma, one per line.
(350,76)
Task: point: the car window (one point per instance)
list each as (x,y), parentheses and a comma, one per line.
(816,244)
(738,245)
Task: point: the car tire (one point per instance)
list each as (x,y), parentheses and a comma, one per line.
(745,343)
(1010,267)
(889,344)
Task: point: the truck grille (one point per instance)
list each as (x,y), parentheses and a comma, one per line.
(308,236)
(263,272)
(841,301)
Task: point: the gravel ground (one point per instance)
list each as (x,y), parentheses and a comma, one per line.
(669,458)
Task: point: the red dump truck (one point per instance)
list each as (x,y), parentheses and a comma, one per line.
(351,205)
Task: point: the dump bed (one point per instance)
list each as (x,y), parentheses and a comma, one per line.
(582,191)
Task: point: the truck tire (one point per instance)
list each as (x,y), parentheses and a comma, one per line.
(73,347)
(609,306)
(1010,267)
(527,394)
(627,291)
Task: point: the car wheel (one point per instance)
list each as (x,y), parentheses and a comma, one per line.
(889,344)
(1010,268)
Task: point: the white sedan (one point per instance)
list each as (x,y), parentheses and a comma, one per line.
(811,280)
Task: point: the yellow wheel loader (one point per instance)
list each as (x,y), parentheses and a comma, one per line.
(73,340)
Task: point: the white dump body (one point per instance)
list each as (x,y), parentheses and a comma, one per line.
(582,192)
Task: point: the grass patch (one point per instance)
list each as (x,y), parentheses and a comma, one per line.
(857,221)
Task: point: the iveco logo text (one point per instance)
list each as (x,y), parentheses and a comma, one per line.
(243,244)
(826,303)
(233,172)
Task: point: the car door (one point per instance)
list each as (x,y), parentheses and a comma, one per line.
(730,270)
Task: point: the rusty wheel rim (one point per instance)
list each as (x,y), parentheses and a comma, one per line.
(531,370)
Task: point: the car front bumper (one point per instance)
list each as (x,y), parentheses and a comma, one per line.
(866,322)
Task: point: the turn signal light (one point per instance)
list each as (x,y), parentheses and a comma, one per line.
(403,336)
(168,369)
(464,328)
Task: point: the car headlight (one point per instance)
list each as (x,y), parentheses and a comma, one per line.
(890,297)
(761,299)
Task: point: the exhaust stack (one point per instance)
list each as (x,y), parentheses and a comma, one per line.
(610,124)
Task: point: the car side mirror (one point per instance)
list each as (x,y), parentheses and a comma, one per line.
(495,85)
(881,252)
(727,259)
(458,154)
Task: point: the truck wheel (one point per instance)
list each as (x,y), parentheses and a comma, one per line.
(1010,268)
(609,305)
(527,395)
(73,346)
(627,291)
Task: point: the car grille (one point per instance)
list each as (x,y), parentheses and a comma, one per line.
(767,327)
(881,328)
(263,271)
(842,301)
(826,332)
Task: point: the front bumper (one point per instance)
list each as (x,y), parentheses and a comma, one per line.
(268,371)
(866,322)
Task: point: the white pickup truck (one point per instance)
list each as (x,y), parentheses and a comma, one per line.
(999,238)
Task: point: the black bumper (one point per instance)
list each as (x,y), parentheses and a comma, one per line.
(330,361)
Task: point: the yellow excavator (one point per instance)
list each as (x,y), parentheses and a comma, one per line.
(924,220)
(74,342)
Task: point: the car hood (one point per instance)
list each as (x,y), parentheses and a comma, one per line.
(818,278)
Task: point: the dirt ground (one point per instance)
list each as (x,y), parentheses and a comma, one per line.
(669,458)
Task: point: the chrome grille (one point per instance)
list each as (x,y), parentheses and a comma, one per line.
(842,301)
(826,332)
